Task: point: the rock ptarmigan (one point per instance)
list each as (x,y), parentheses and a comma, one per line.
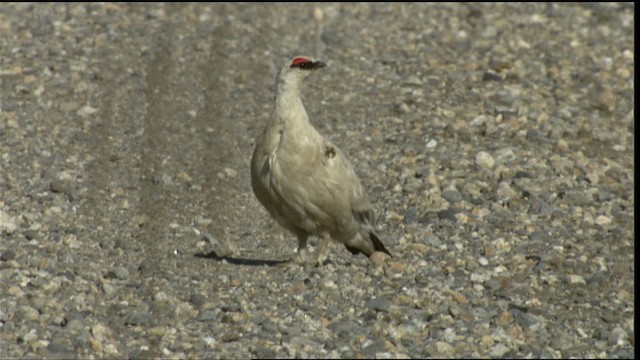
(304,181)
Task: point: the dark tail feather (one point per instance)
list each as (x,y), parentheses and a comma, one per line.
(354,251)
(377,244)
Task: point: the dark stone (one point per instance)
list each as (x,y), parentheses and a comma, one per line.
(491,76)
(8,255)
(380,303)
(137,317)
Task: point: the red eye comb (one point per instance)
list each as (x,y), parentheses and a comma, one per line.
(299,60)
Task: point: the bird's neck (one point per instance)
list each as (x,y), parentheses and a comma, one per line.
(289,104)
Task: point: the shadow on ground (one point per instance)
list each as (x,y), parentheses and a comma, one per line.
(239,261)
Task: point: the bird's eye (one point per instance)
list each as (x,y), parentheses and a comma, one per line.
(303,65)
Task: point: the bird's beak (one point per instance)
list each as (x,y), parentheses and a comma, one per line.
(318,65)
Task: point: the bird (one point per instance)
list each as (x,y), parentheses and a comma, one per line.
(305,181)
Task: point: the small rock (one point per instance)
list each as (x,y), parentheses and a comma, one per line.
(576,279)
(230,337)
(208,315)
(137,317)
(8,255)
(486,341)
(603,220)
(163,179)
(604,194)
(328,285)
(58,348)
(119,272)
(87,111)
(396,268)
(540,235)
(231,173)
(533,134)
(160,296)
(562,145)
(7,223)
(198,300)
(413,80)
(444,349)
(481,120)
(120,244)
(379,257)
(380,303)
(184,310)
(30,234)
(433,241)
(485,160)
(452,195)
(27,313)
(448,214)
(491,76)
(60,186)
(107,288)
(617,336)
(498,351)
(577,198)
(492,284)
(372,349)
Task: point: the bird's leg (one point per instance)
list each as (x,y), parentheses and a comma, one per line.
(323,246)
(301,253)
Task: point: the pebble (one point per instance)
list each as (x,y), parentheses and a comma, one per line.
(231,173)
(107,288)
(576,279)
(603,220)
(160,296)
(452,196)
(485,160)
(443,349)
(8,255)
(431,144)
(617,337)
(119,272)
(137,317)
(378,304)
(208,315)
(87,111)
(498,351)
(7,223)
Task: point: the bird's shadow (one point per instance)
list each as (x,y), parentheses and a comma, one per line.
(238,260)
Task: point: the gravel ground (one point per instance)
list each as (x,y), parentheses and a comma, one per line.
(496,143)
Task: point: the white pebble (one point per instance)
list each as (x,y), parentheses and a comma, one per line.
(485,160)
(230,172)
(86,111)
(603,220)
(576,279)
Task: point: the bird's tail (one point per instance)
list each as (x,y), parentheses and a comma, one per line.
(377,244)
(372,240)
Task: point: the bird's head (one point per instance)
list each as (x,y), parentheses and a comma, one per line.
(297,69)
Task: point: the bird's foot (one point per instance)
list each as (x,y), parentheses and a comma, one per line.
(323,249)
(301,257)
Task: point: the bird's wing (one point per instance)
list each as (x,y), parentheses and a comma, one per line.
(341,180)
(265,144)
(319,190)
